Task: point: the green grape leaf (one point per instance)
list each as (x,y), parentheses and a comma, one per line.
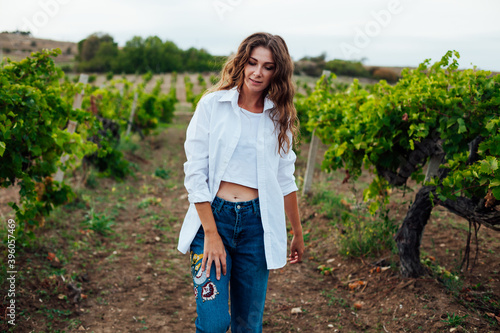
(496,192)
(2,148)
(36,150)
(461,126)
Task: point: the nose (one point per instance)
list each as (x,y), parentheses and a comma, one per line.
(258,71)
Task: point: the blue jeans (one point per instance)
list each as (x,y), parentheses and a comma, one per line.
(240,227)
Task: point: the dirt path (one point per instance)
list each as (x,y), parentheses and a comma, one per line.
(136,280)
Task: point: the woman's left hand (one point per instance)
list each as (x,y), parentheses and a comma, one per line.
(296,249)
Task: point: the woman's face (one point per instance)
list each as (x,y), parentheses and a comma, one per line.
(259,70)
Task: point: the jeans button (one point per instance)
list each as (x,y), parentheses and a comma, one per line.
(238,206)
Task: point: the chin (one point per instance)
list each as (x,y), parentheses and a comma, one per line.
(249,85)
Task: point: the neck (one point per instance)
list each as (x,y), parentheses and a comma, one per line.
(251,101)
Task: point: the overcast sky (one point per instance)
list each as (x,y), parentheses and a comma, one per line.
(382,32)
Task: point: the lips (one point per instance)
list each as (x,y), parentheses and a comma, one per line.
(256,82)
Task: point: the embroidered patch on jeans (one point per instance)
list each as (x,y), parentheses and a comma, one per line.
(209,291)
(199,277)
(196,260)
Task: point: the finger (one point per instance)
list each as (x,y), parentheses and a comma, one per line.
(209,265)
(299,255)
(203,262)
(293,257)
(223,262)
(217,268)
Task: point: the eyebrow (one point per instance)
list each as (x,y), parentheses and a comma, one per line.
(269,62)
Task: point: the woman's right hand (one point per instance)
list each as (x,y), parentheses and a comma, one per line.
(214,251)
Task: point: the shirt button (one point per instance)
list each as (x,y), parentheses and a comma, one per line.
(238,206)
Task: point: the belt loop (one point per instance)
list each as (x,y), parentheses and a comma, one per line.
(220,204)
(255,205)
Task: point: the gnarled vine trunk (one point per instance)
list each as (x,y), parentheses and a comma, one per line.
(409,236)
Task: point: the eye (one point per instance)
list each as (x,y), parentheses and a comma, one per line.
(270,68)
(251,63)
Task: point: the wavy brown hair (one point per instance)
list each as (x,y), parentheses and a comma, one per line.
(280,91)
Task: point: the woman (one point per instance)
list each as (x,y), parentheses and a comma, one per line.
(240,183)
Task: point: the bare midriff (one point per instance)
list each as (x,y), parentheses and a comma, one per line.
(236,192)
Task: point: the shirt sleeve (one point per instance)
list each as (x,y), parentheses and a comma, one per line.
(196,147)
(286,169)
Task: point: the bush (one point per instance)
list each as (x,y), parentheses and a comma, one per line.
(308,67)
(347,68)
(360,234)
(385,74)
(190,97)
(147,77)
(98,222)
(33,117)
(67,68)
(365,235)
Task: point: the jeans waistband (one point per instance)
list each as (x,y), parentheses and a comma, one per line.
(220,203)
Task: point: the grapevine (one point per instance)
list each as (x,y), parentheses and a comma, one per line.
(35,107)
(33,117)
(394,130)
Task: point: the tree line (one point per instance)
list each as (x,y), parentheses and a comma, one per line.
(100,53)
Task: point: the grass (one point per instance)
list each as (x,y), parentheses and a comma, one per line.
(366,235)
(334,300)
(162,173)
(454,320)
(98,222)
(62,236)
(478,298)
(329,203)
(360,234)
(149,201)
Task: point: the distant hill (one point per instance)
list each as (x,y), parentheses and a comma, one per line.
(18,46)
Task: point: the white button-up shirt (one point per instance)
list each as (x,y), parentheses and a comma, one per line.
(211,137)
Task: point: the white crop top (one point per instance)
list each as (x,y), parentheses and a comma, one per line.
(242,167)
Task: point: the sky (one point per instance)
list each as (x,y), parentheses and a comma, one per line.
(378,32)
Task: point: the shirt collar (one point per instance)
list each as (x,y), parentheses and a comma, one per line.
(232,95)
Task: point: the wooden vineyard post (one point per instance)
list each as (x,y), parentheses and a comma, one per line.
(433,167)
(131,118)
(311,161)
(311,156)
(77,103)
